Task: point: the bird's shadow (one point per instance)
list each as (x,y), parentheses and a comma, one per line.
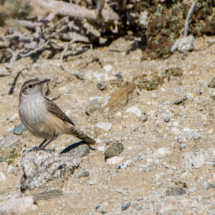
(73,146)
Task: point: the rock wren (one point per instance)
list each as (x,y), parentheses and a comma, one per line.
(42,117)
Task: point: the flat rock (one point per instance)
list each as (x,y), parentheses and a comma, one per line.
(114,160)
(162,152)
(51,194)
(9,141)
(175,192)
(2,178)
(125,206)
(134,110)
(84,174)
(193,160)
(76,150)
(184,44)
(42,167)
(113,150)
(18,206)
(3,166)
(104,125)
(187,134)
(92,107)
(118,99)
(19,129)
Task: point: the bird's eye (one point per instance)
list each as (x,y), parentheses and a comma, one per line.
(30,85)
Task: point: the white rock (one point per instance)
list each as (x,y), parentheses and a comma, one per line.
(89,75)
(187,134)
(107,68)
(110,78)
(118,114)
(101,149)
(194,160)
(154,95)
(63,90)
(3,166)
(68,113)
(114,160)
(104,125)
(162,152)
(14,117)
(2,178)
(134,110)
(184,44)
(10,169)
(18,205)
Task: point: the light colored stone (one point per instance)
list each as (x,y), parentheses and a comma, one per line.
(114,160)
(154,95)
(184,44)
(162,152)
(187,134)
(41,167)
(143,20)
(14,117)
(104,125)
(2,178)
(107,68)
(193,160)
(134,110)
(3,166)
(9,141)
(18,205)
(101,149)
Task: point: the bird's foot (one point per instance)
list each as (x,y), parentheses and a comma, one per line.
(37,148)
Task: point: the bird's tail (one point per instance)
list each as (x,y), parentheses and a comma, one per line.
(82,136)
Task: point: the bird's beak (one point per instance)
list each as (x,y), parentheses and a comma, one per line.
(44,81)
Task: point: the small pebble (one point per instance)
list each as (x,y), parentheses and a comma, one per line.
(125,206)
(101,86)
(84,174)
(19,129)
(166,119)
(182,146)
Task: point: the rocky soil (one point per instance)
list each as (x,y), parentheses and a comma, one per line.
(155,149)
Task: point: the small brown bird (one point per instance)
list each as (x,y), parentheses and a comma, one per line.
(42,117)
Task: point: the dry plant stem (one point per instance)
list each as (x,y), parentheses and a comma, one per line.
(188,18)
(14,57)
(100,5)
(73,10)
(78,75)
(34,51)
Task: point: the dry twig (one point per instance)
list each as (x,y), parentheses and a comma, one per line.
(188,18)
(77,74)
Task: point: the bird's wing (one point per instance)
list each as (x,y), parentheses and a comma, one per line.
(56,111)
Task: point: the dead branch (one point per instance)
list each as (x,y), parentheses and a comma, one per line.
(13,58)
(29,24)
(35,50)
(188,18)
(78,75)
(72,10)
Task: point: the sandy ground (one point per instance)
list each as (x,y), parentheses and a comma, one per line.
(150,172)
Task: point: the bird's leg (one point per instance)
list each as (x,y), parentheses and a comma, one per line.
(53,138)
(41,147)
(42,143)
